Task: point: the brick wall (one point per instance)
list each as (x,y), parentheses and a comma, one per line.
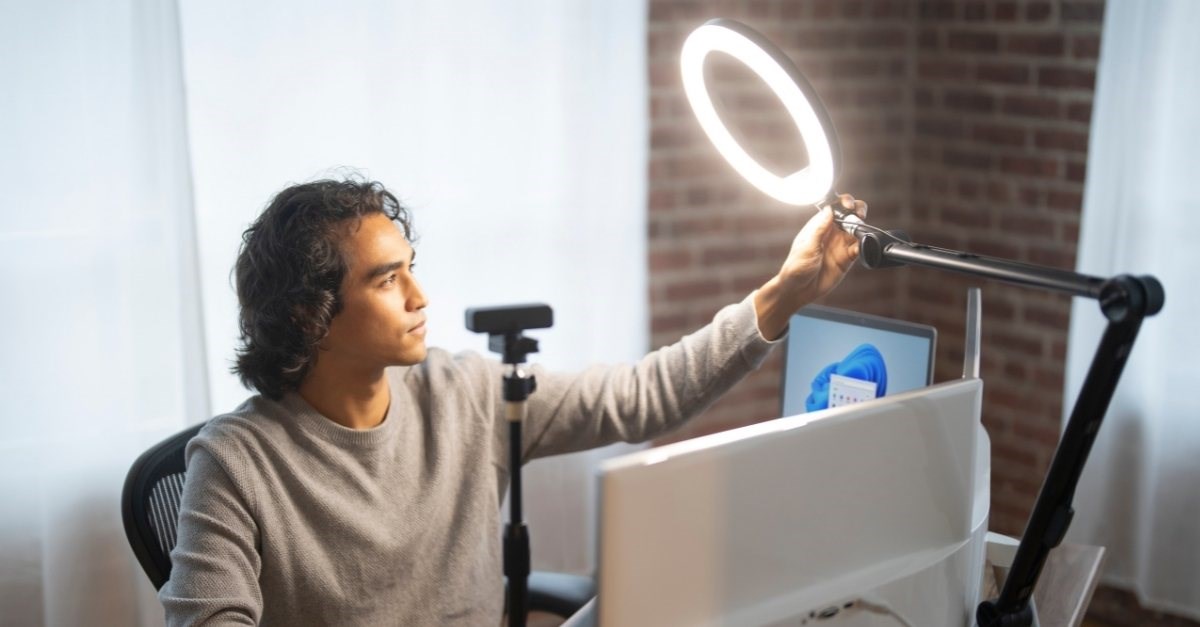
(712,238)
(1002,95)
(964,123)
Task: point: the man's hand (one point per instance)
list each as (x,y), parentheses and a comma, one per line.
(821,255)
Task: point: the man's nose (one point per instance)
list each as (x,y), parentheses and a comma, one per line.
(416,297)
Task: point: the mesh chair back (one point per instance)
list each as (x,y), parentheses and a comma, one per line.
(150,504)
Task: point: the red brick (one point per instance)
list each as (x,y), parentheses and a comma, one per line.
(698,196)
(991,246)
(1072,141)
(972,101)
(885,95)
(1039,44)
(661,199)
(1068,77)
(856,67)
(933,293)
(665,43)
(673,323)
(868,125)
(936,184)
(1038,11)
(757,9)
(1086,12)
(812,39)
(975,11)
(966,217)
(933,69)
(999,134)
(1076,171)
(943,127)
(1031,106)
(1048,317)
(743,285)
(1028,226)
(1005,73)
(791,10)
(664,73)
(998,191)
(969,160)
(1011,400)
(1014,450)
(928,39)
(738,253)
(699,167)
(1016,371)
(671,137)
(1058,350)
(1031,196)
(1053,257)
(937,9)
(882,38)
(1086,46)
(968,189)
(692,290)
(851,8)
(1069,232)
(973,41)
(1080,112)
(1070,201)
(881,9)
(1029,166)
(671,259)
(824,9)
(1047,435)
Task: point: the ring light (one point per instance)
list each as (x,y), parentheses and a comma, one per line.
(807,186)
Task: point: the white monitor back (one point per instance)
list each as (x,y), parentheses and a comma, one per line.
(761,524)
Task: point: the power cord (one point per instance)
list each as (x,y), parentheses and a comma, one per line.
(874,605)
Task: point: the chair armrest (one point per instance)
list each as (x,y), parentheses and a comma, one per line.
(558,593)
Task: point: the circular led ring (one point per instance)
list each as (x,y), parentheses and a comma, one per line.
(806,186)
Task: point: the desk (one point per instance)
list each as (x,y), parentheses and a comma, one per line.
(1068,580)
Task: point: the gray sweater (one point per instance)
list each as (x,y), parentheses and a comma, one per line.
(288,518)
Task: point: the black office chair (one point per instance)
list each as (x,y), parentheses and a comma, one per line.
(150,509)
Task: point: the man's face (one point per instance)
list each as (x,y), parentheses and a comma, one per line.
(382,321)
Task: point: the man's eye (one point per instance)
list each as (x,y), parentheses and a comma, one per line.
(391,279)
(412,267)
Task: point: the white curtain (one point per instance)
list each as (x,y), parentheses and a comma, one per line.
(101,354)
(1139,495)
(515,131)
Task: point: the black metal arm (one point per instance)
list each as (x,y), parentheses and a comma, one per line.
(1125,301)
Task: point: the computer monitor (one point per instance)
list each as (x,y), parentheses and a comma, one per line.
(836,357)
(764,524)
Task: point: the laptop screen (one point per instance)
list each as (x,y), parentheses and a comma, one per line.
(836,357)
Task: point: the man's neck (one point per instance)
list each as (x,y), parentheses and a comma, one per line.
(354,399)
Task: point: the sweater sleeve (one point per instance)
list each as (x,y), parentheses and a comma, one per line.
(215,562)
(639,401)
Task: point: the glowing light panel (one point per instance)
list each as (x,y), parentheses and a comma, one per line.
(806,186)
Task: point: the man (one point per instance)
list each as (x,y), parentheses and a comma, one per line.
(362,485)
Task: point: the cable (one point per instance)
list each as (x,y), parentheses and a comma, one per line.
(874,605)
(881,607)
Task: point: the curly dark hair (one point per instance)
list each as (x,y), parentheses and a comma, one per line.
(289,273)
